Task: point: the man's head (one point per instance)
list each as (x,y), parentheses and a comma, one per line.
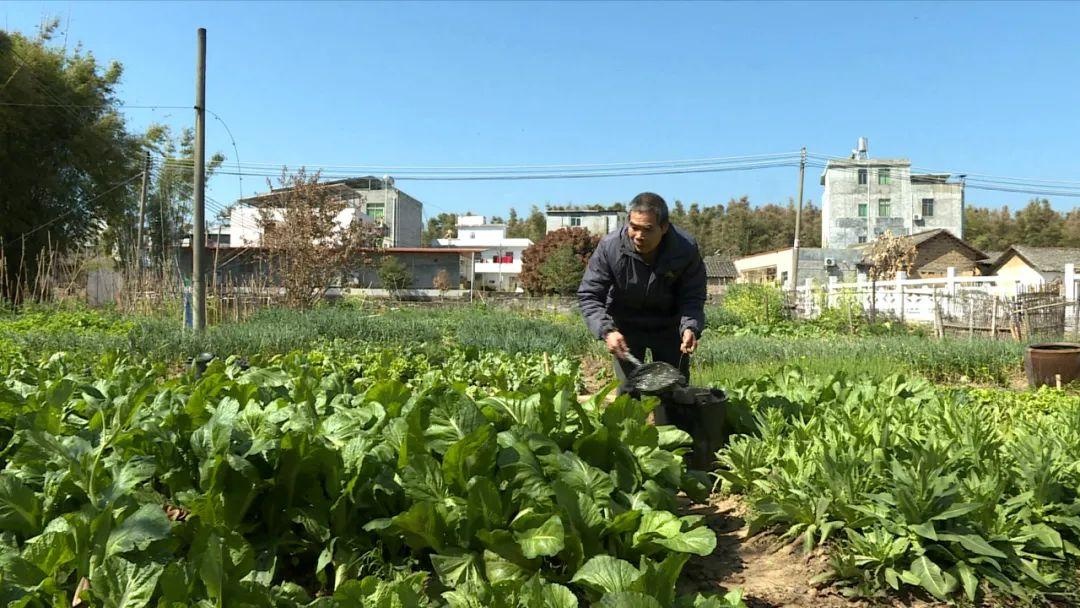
(648,222)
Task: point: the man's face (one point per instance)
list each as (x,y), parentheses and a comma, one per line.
(645,232)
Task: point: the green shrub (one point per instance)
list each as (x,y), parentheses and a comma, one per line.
(754,303)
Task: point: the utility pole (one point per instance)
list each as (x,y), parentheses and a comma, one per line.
(798,227)
(198,235)
(142,218)
(963,215)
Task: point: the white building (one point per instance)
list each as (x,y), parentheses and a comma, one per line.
(866,196)
(596,221)
(367,199)
(498,266)
(244,230)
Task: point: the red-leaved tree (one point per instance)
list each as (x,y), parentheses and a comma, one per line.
(555,264)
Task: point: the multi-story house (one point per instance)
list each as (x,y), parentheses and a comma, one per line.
(367,198)
(498,266)
(597,220)
(865,196)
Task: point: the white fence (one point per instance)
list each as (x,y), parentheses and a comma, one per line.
(929,300)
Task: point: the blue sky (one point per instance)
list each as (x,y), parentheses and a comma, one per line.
(982,88)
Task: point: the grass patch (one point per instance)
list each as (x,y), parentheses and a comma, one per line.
(722,360)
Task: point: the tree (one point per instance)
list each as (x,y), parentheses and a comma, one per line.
(562,271)
(69,164)
(890,254)
(1070,232)
(442,226)
(303,243)
(540,277)
(533,227)
(977,229)
(442,282)
(1039,225)
(678,212)
(394,274)
(170,192)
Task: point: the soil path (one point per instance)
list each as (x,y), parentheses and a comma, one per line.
(770,573)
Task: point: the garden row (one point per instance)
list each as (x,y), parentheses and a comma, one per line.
(736,345)
(959,494)
(337,479)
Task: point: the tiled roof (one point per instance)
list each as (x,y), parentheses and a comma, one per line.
(921,237)
(719,267)
(1046,259)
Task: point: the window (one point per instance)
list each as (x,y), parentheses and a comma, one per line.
(862,239)
(883,177)
(575,220)
(928,207)
(862,209)
(375,211)
(883,207)
(862,177)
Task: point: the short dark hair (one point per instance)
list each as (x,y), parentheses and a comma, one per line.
(649,202)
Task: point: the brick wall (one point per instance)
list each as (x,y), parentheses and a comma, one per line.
(938,254)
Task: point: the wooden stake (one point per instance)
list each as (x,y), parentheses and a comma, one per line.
(993,320)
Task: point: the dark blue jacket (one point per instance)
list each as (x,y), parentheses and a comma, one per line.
(620,291)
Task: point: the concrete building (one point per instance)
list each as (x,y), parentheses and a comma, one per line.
(498,261)
(370,199)
(820,264)
(423,264)
(597,220)
(244,265)
(866,196)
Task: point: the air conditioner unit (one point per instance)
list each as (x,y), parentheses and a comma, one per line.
(918,217)
(830,262)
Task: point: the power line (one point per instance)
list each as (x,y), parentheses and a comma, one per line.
(235,149)
(533,167)
(560,175)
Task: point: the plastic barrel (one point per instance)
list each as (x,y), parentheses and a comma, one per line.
(1043,363)
(701,413)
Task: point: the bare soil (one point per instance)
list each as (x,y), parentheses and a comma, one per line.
(596,373)
(770,572)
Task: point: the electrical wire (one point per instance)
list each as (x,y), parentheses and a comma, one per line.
(535,167)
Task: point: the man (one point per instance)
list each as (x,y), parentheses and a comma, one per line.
(644,288)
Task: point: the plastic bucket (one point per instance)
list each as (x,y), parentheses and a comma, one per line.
(1045,364)
(701,412)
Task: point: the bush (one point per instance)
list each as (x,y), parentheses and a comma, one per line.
(393,274)
(844,316)
(555,264)
(750,303)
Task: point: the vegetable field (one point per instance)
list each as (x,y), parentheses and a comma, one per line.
(475,457)
(318,479)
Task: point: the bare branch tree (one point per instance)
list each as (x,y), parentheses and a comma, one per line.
(891,254)
(310,241)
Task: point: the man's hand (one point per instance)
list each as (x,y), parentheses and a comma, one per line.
(616,344)
(689,341)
